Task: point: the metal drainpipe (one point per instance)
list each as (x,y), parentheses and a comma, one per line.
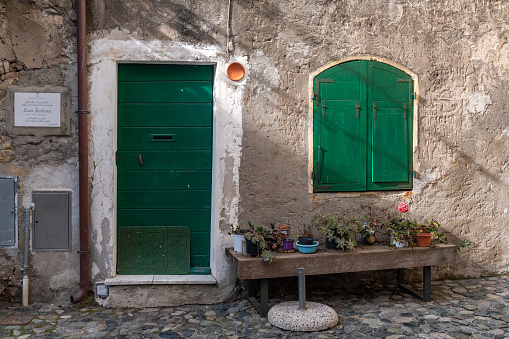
(83,152)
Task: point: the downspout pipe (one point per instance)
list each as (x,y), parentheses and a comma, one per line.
(28,225)
(84,251)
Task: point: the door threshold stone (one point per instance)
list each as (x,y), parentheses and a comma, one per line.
(120,280)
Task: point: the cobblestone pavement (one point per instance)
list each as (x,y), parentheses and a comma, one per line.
(476,308)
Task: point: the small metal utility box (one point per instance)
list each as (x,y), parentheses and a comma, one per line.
(52,221)
(8,231)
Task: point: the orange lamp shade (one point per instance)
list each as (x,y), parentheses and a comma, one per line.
(235,71)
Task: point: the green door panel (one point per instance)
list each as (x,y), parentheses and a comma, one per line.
(163,180)
(163,138)
(153,250)
(200,261)
(197,220)
(200,243)
(164,199)
(157,72)
(362,128)
(164,160)
(177,115)
(164,166)
(165,92)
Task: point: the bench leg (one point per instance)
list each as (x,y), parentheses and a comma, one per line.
(251,288)
(264,297)
(401,276)
(263,306)
(426,283)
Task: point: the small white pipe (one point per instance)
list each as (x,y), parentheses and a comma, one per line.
(25,290)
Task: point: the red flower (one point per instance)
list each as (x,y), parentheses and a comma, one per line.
(403,207)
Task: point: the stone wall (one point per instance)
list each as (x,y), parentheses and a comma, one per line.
(37,48)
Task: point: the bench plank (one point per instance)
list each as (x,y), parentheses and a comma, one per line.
(362,258)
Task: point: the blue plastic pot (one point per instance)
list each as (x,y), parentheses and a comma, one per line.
(307,248)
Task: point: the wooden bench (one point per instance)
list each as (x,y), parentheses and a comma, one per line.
(362,258)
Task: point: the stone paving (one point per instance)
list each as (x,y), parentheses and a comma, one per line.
(477,308)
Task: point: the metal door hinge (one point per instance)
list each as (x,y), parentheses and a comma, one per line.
(316,94)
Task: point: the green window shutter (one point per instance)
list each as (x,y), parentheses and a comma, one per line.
(390,128)
(362,128)
(340,129)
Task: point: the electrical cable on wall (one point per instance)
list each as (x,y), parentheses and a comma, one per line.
(228,33)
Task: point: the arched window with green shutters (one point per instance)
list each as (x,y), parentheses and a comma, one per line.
(362,128)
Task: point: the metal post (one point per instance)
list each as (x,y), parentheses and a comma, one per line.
(302,289)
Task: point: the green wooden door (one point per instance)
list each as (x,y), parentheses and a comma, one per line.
(164,165)
(362,128)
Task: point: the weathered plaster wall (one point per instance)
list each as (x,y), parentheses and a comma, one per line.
(108,49)
(37,49)
(458,51)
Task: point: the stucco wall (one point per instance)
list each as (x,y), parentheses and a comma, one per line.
(457,50)
(37,49)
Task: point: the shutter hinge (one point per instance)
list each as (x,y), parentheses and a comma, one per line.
(313,175)
(317,93)
(414,96)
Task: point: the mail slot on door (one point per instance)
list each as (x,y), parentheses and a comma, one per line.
(52,221)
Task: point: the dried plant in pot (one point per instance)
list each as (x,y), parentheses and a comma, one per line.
(305,236)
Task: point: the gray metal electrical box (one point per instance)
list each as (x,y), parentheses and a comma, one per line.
(52,221)
(8,228)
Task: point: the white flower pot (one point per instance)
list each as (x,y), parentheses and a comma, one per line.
(239,243)
(399,244)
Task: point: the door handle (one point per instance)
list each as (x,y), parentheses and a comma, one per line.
(141,160)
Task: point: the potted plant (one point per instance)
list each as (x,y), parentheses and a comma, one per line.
(305,237)
(339,230)
(402,230)
(254,239)
(284,235)
(259,239)
(238,238)
(426,233)
(368,229)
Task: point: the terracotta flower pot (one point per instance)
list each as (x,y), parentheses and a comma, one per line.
(424,239)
